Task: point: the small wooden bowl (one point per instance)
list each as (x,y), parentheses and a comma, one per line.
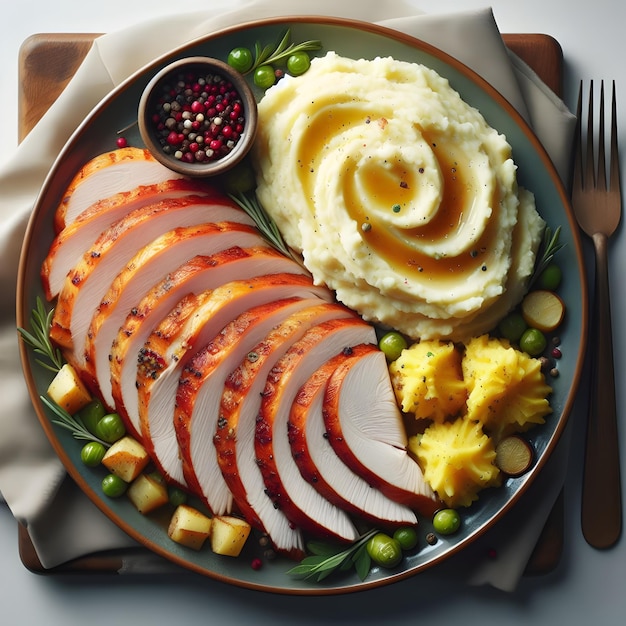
(152,118)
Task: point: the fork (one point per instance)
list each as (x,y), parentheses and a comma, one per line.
(597,206)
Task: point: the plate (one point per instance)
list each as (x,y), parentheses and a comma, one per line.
(353,39)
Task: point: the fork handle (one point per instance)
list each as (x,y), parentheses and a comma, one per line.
(601,495)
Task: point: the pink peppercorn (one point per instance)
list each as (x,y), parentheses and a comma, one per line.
(256,564)
(197,106)
(173,139)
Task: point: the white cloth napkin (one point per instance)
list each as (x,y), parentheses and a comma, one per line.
(60,519)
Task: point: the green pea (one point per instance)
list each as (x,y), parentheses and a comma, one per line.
(240,59)
(264,76)
(92,453)
(113,486)
(91,414)
(392,344)
(384,550)
(550,278)
(157,477)
(298,63)
(446,521)
(176,496)
(533,341)
(406,537)
(512,326)
(110,428)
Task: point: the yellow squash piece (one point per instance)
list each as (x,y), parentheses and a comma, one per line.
(458,460)
(507,389)
(428,381)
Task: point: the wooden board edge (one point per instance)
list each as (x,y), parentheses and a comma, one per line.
(47,62)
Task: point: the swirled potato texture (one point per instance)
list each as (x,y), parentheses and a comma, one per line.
(399,195)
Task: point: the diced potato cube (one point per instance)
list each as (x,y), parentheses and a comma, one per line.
(189,527)
(68,390)
(228,534)
(147,493)
(126,458)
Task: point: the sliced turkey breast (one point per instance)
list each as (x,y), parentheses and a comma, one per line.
(76,238)
(107,174)
(87,283)
(144,270)
(320,465)
(301,502)
(199,274)
(235,434)
(200,390)
(191,325)
(365,428)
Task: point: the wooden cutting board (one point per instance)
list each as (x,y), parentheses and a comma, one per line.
(47,62)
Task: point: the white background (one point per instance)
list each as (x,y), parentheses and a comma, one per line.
(588,586)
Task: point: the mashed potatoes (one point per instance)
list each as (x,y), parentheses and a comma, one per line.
(399,195)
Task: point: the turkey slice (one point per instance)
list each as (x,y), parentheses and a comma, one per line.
(199,274)
(76,238)
(240,405)
(200,390)
(301,502)
(194,322)
(365,428)
(145,269)
(105,175)
(88,282)
(320,465)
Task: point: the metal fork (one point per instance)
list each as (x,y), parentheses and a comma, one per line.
(597,206)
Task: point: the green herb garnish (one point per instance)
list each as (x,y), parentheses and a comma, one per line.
(269,54)
(324,559)
(264,223)
(550,245)
(71,423)
(39,337)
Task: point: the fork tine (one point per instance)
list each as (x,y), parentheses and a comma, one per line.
(614,161)
(578,139)
(587,173)
(601,175)
(589,179)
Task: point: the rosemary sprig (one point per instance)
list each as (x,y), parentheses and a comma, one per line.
(269,54)
(264,223)
(39,338)
(70,422)
(550,245)
(324,560)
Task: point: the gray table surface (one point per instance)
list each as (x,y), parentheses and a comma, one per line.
(588,586)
